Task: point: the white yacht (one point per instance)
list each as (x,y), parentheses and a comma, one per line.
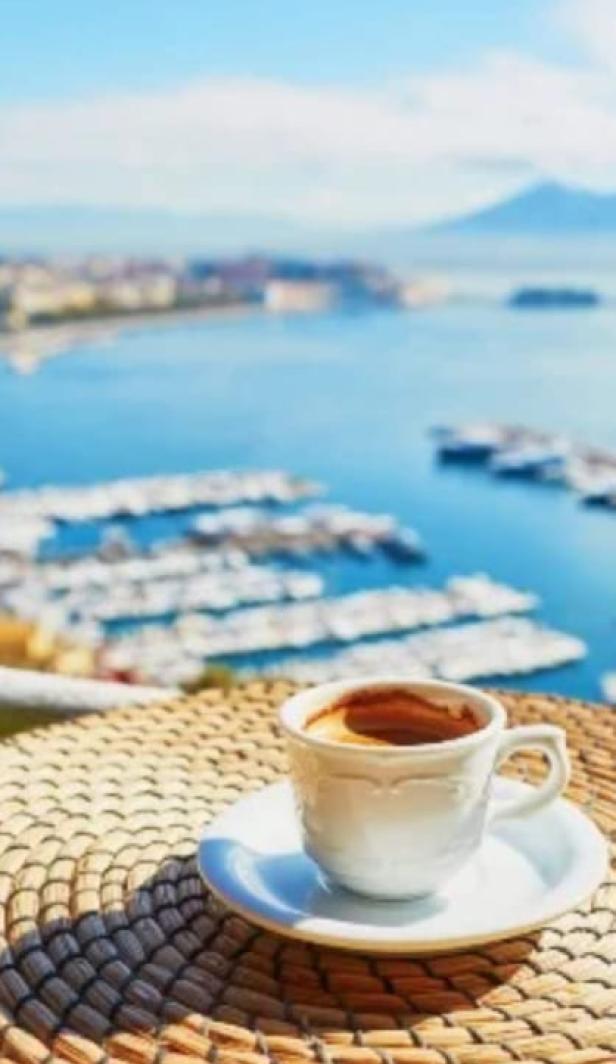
(470,443)
(531,462)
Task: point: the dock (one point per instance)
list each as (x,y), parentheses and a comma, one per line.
(533,455)
(225,589)
(315,529)
(138,496)
(171,654)
(246,575)
(509,646)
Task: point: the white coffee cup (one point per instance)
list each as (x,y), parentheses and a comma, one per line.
(398,821)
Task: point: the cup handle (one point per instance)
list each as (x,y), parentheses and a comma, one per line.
(552,742)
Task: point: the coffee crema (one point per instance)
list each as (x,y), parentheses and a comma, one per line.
(390,716)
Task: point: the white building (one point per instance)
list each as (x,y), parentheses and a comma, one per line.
(283,297)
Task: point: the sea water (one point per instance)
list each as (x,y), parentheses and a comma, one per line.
(348,398)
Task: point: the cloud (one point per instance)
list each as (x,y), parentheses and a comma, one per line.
(593,24)
(436,143)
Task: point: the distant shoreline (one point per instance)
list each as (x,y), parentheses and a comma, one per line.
(40,342)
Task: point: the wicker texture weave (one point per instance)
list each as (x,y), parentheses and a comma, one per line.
(113,951)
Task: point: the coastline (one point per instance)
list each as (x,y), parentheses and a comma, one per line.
(25,348)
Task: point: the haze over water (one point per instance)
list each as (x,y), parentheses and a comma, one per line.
(348,398)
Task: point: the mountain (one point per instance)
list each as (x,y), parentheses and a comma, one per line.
(59,229)
(548,208)
(543,209)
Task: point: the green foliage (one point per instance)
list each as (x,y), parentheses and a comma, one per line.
(13,721)
(214,675)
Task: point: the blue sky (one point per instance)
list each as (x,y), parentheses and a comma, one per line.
(64,48)
(346,112)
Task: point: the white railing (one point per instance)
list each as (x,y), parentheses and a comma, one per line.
(61,696)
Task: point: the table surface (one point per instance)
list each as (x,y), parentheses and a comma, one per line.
(112,949)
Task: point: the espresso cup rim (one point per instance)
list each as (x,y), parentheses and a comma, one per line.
(292,718)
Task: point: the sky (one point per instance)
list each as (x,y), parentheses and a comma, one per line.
(333,113)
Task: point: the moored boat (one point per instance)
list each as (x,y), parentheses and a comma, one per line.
(530,462)
(475,443)
(600,491)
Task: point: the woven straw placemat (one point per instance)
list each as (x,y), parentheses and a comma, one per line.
(112,950)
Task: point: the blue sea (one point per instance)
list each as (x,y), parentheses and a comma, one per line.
(348,398)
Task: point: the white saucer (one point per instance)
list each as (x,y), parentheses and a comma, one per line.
(528,872)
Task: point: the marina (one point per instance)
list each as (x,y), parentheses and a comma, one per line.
(93,570)
(529,454)
(98,418)
(209,568)
(135,497)
(23,535)
(506,647)
(322,528)
(172,654)
(226,589)
(161,613)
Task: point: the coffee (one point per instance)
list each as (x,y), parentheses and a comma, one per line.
(391,716)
